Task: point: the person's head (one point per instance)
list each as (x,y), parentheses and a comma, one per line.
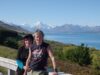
(28,40)
(38,36)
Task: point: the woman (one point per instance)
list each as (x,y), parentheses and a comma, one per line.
(39,53)
(23,53)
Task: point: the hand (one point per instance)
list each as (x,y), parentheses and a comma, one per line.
(53,73)
(25,68)
(24,73)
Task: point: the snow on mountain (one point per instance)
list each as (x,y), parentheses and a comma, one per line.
(66,28)
(40,25)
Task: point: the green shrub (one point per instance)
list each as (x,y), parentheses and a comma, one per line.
(79,55)
(60,54)
(96,60)
(7,33)
(11,42)
(9,38)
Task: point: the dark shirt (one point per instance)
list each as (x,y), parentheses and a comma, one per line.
(39,56)
(22,54)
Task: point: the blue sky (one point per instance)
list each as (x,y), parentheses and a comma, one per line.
(52,12)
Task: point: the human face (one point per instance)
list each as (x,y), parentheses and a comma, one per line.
(38,38)
(27,43)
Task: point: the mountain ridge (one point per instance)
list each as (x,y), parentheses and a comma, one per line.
(13,27)
(65,28)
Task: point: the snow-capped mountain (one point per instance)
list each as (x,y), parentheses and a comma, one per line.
(66,28)
(27,27)
(37,25)
(40,25)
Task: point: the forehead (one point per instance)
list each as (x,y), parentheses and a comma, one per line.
(26,39)
(37,34)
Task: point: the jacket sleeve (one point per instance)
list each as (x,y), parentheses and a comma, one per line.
(19,54)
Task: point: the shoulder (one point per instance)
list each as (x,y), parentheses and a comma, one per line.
(45,44)
(21,48)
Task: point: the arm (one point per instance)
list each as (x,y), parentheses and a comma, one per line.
(28,59)
(52,58)
(27,62)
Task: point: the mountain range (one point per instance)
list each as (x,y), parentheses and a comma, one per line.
(66,28)
(8,26)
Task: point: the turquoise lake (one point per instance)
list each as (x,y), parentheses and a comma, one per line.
(89,39)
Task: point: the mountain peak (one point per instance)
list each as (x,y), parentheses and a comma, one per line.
(38,24)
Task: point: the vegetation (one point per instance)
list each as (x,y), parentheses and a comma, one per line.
(63,62)
(77,60)
(79,55)
(8,52)
(3,70)
(9,38)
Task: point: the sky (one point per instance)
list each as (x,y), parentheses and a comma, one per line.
(52,12)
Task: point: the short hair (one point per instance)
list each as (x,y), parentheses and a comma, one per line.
(40,32)
(29,37)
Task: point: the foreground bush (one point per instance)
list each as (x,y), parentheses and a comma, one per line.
(96,60)
(9,38)
(11,42)
(79,55)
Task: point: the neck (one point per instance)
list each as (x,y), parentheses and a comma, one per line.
(27,46)
(38,43)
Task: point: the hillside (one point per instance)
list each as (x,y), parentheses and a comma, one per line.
(63,65)
(6,26)
(7,53)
